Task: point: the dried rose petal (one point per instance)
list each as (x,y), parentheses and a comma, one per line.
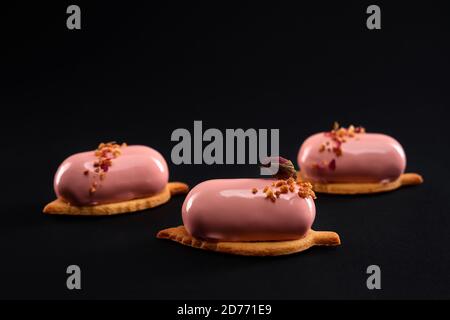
(332,165)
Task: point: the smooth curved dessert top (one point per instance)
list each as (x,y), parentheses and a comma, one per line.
(351,155)
(112,173)
(249,210)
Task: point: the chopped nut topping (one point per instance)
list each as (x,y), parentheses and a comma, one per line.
(337,151)
(280,183)
(305,190)
(286,186)
(105,154)
(270,195)
(335,126)
(338,136)
(86,172)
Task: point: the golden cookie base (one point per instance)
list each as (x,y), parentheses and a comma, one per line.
(61,207)
(406,179)
(263,248)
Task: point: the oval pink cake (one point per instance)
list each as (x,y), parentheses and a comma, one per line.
(247,210)
(111,174)
(347,155)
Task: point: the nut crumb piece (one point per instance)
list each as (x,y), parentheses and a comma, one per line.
(86,172)
(284,189)
(105,153)
(335,125)
(270,195)
(279,187)
(254,190)
(305,190)
(280,183)
(339,135)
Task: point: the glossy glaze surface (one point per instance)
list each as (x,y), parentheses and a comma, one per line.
(368,157)
(138,172)
(227,210)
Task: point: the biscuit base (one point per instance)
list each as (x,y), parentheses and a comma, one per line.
(254,248)
(61,207)
(406,179)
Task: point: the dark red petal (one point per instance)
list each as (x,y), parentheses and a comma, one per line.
(332,165)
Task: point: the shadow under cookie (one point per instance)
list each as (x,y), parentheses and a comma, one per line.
(253,248)
(60,207)
(406,179)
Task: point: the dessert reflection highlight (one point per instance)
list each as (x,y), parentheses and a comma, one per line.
(349,160)
(112,179)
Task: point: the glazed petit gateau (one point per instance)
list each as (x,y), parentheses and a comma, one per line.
(352,161)
(113,179)
(255,217)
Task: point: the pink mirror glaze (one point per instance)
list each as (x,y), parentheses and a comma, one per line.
(138,172)
(367,157)
(228,210)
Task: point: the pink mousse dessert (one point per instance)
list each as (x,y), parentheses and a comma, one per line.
(249,210)
(350,155)
(110,174)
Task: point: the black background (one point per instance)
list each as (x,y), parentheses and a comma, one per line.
(136,72)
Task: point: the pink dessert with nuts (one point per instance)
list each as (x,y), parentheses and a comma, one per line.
(112,173)
(345,155)
(249,210)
